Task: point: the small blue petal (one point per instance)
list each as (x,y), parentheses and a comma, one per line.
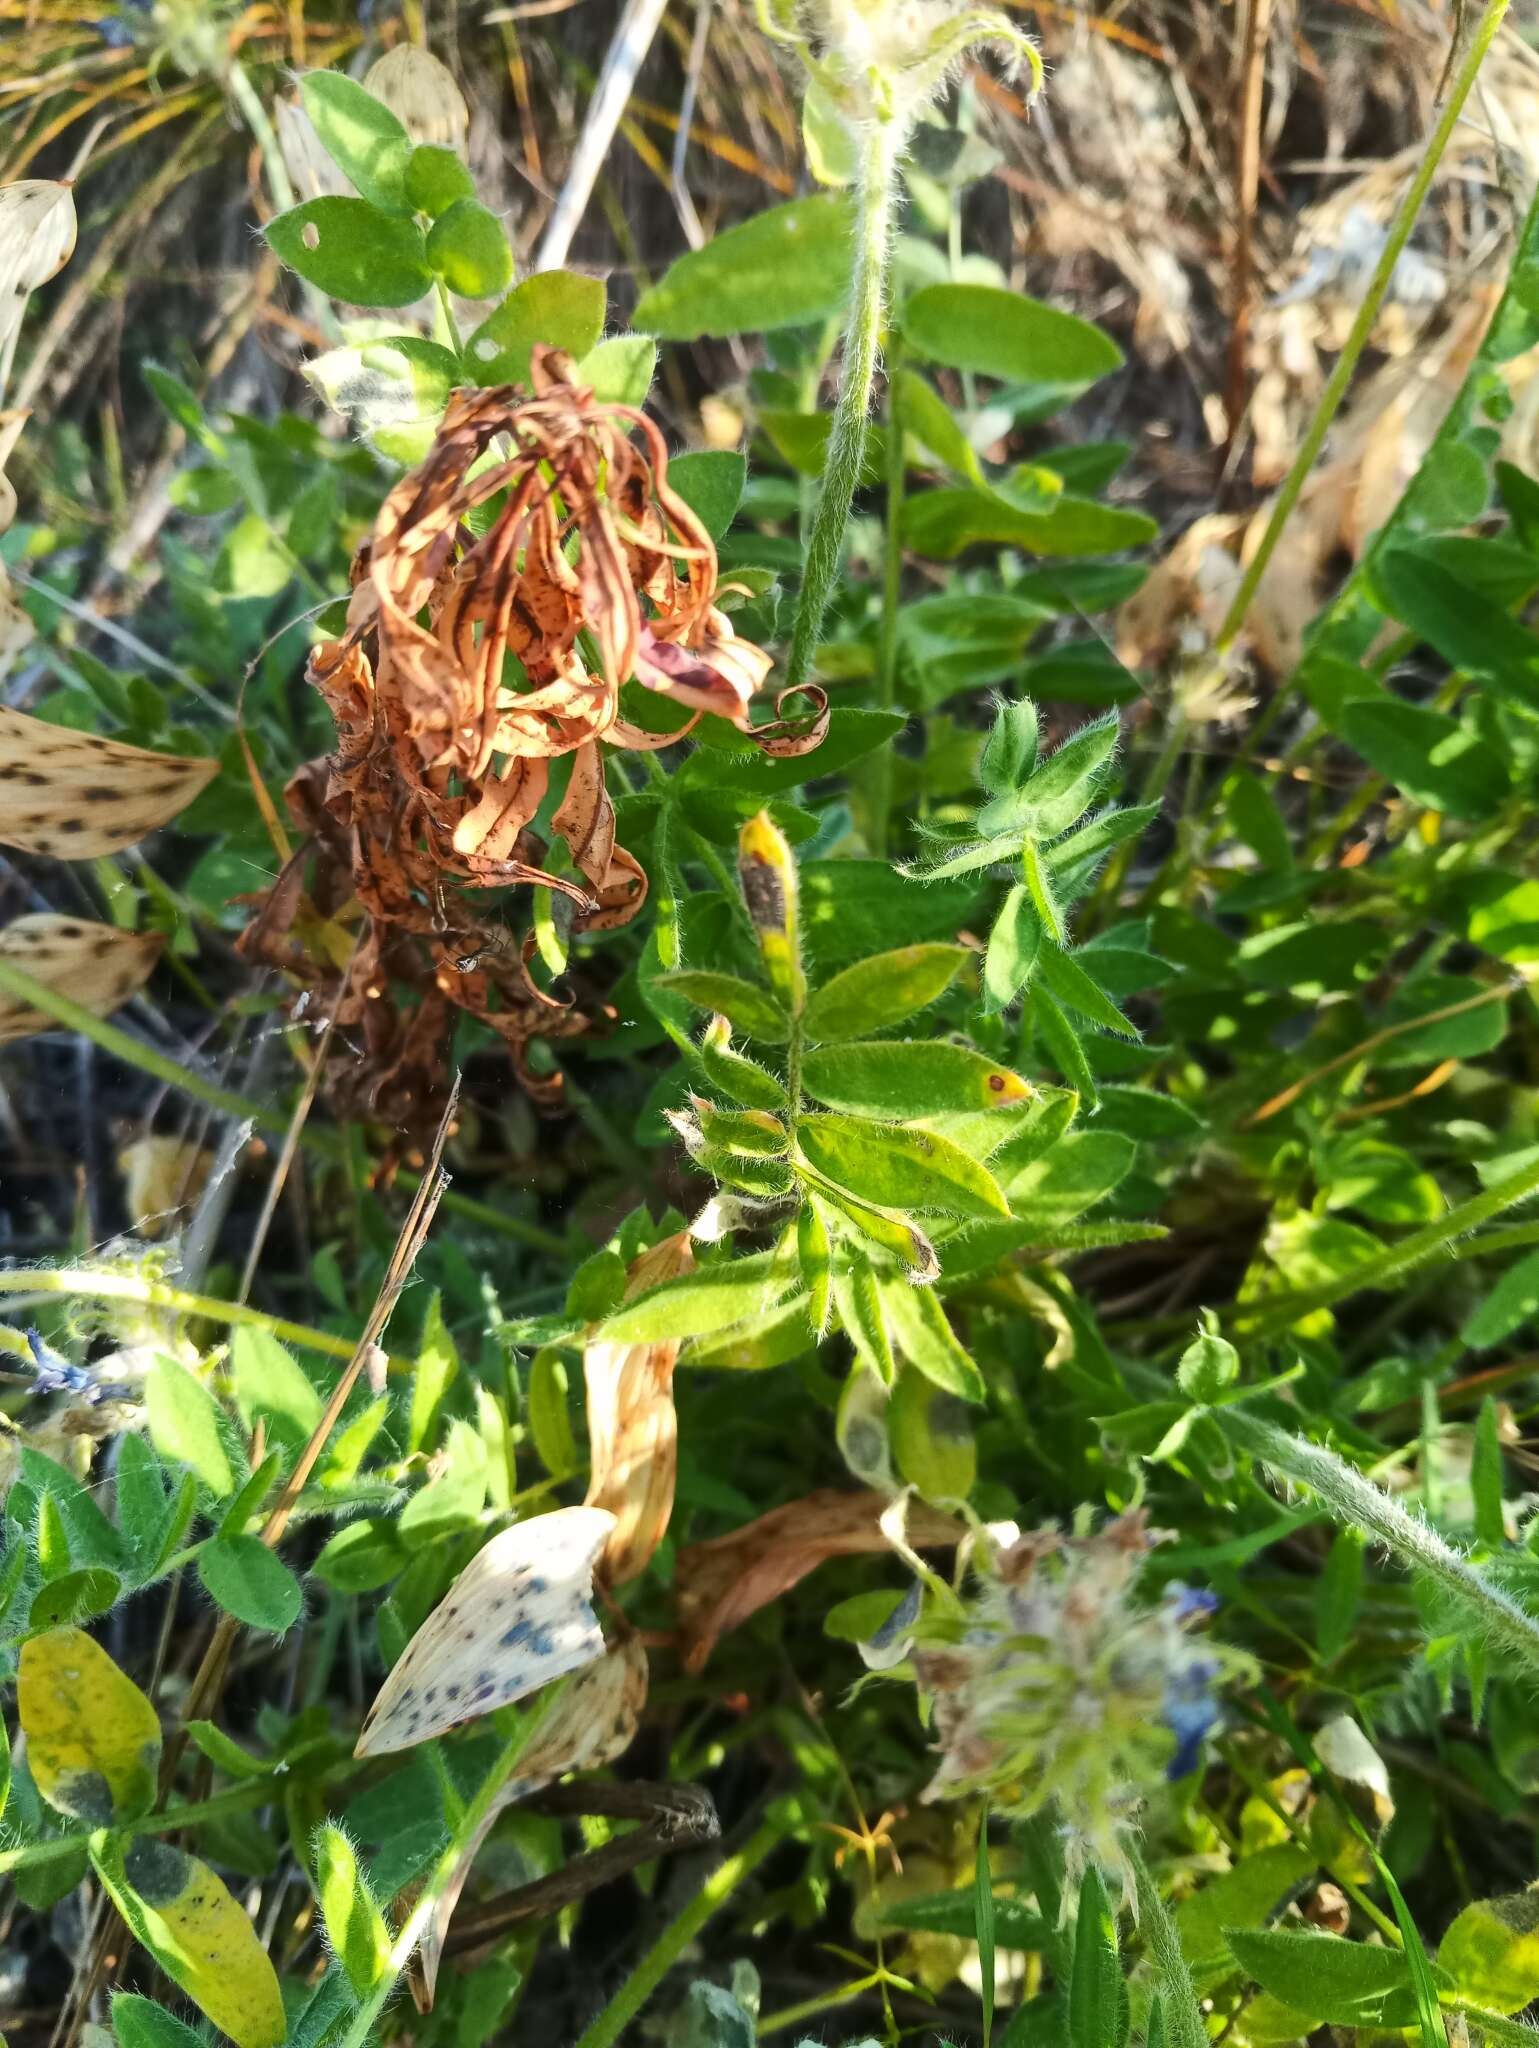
(1187,1602)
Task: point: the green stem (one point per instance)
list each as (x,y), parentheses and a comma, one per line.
(1346,363)
(249,100)
(1184,2026)
(723,1881)
(1267,1319)
(469,1825)
(1356,1503)
(847,441)
(892,594)
(144,1293)
(324,1144)
(236,1800)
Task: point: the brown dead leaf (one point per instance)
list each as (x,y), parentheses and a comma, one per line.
(93,964)
(596,1723)
(633,1429)
(721,1583)
(77,795)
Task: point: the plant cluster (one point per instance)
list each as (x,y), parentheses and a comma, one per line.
(980,1135)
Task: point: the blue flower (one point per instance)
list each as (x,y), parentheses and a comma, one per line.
(1189,1711)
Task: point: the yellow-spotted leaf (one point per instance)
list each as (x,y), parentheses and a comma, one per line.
(78,795)
(93,1739)
(93,964)
(908,1078)
(184,1915)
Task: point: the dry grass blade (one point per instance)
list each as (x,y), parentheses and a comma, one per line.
(77,795)
(96,965)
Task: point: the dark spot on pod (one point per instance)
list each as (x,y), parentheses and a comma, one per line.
(997,1082)
(764,891)
(100,793)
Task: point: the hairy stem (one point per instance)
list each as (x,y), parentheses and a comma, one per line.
(862,344)
(1184,2026)
(1356,1503)
(892,592)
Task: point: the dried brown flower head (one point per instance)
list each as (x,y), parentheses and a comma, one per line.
(535,562)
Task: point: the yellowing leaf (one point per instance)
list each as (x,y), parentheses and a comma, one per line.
(77,795)
(93,964)
(1492,1952)
(93,1739)
(633,1428)
(518,1616)
(183,1914)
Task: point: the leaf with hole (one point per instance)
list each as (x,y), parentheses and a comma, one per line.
(556,307)
(353,251)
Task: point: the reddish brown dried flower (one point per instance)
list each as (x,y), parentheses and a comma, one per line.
(532,564)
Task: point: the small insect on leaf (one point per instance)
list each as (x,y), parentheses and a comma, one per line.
(77,795)
(93,1739)
(92,964)
(518,1616)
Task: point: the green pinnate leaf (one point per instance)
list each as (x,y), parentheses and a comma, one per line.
(361,136)
(353,251)
(355,1927)
(783,268)
(1329,1980)
(753,1010)
(897,1167)
(1003,334)
(436,179)
(185,1424)
(881,991)
(241,1575)
(467,246)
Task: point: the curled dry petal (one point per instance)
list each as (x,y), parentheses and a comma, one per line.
(539,531)
(633,1428)
(78,795)
(721,1583)
(596,1722)
(94,965)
